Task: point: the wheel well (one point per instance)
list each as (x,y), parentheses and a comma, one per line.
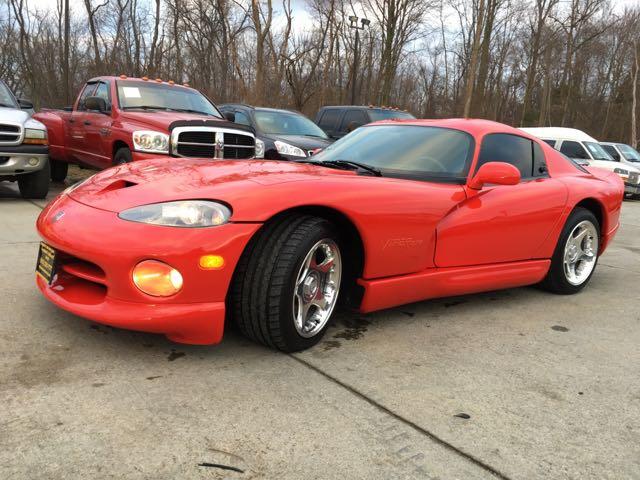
(594,207)
(351,244)
(117,145)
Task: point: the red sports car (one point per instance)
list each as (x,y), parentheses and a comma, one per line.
(396,212)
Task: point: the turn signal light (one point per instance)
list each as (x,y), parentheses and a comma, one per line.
(157,279)
(36,141)
(211,262)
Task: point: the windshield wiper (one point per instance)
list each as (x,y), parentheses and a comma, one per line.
(188,110)
(146,107)
(7,105)
(376,171)
(343,164)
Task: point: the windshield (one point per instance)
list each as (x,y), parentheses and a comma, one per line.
(406,150)
(597,152)
(629,153)
(161,96)
(381,114)
(285,123)
(6,97)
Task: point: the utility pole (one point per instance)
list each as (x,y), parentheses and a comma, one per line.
(356,51)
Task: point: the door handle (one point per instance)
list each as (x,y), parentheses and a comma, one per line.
(71,120)
(87,122)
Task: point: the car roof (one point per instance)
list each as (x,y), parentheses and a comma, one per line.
(261,109)
(559,133)
(474,126)
(142,79)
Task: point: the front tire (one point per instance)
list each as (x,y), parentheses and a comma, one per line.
(36,184)
(122,156)
(287,282)
(59,170)
(576,255)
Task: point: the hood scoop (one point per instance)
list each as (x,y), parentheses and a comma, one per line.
(118,185)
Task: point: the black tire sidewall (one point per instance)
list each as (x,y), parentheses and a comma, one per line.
(59,170)
(292,338)
(122,156)
(557,279)
(35,184)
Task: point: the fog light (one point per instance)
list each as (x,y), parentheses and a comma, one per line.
(157,278)
(33,161)
(211,262)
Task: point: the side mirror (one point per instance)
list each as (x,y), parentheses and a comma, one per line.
(95,103)
(352,126)
(25,104)
(498,173)
(230,116)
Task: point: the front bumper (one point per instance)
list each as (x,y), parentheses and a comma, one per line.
(22,159)
(113,246)
(632,188)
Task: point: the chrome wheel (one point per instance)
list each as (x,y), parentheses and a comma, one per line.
(580,252)
(317,287)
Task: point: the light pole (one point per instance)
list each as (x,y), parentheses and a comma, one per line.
(354,24)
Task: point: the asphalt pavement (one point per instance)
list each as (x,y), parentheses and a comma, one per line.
(516,384)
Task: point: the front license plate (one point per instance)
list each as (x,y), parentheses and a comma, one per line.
(46,266)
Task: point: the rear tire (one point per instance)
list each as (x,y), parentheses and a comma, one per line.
(122,156)
(566,277)
(35,184)
(59,170)
(280,296)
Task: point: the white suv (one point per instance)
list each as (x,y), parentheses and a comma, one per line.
(586,150)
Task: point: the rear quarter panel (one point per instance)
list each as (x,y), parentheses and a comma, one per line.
(55,121)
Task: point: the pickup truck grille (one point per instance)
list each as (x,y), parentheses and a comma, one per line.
(10,134)
(210,142)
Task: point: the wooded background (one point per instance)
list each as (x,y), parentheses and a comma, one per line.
(522,62)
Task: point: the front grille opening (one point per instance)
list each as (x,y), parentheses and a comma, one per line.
(207,151)
(80,269)
(214,144)
(198,137)
(9,128)
(239,152)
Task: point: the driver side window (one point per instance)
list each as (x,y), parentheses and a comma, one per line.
(504,147)
(574,150)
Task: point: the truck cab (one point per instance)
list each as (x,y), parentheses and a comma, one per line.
(118,120)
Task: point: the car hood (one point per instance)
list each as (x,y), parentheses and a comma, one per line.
(161,180)
(159,120)
(13,115)
(302,141)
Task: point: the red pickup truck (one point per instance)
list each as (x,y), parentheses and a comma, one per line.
(119,119)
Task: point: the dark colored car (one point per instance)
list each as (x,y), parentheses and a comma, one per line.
(337,121)
(285,135)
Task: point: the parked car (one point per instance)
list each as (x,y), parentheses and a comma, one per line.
(280,134)
(23,146)
(117,120)
(337,121)
(623,153)
(177,247)
(585,149)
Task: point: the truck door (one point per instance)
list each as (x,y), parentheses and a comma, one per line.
(97,129)
(503,223)
(76,140)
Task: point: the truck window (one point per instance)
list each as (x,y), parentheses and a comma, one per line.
(88,90)
(329,119)
(357,116)
(503,147)
(611,150)
(574,150)
(551,143)
(103,92)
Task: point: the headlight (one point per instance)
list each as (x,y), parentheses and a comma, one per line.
(286,149)
(622,172)
(259,149)
(150,141)
(34,136)
(182,213)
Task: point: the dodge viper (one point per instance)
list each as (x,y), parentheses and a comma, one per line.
(395,212)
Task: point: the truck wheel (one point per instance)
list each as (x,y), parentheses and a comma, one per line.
(576,255)
(58,170)
(123,155)
(287,282)
(36,184)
